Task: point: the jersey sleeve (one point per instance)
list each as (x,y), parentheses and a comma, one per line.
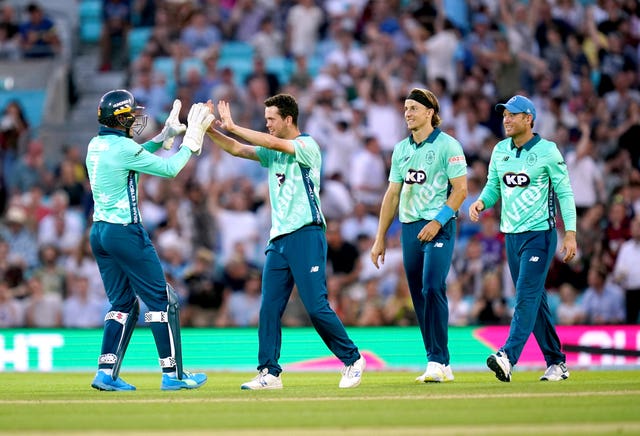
(395,176)
(557,169)
(456,164)
(151,146)
(135,157)
(307,151)
(491,191)
(263,155)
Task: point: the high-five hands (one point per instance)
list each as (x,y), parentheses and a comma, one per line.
(225,121)
(172,127)
(198,121)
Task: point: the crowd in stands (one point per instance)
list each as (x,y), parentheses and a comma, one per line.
(352,64)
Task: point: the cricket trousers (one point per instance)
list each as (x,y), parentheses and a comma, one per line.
(130,267)
(427,266)
(299,257)
(529,255)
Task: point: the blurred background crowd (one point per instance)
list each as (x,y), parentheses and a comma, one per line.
(350,64)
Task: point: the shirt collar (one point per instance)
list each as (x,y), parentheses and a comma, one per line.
(104,130)
(529,144)
(431,138)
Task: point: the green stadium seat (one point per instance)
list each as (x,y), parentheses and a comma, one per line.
(236,49)
(137,39)
(32,102)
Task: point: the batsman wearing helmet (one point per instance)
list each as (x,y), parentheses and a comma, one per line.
(127,259)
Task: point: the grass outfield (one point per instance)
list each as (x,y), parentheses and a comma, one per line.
(387,403)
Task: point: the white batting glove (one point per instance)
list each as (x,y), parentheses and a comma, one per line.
(198,121)
(172,127)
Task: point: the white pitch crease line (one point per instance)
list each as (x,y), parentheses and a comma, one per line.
(130,399)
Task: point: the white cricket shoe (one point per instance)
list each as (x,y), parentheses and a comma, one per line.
(556,372)
(352,374)
(263,380)
(436,373)
(500,365)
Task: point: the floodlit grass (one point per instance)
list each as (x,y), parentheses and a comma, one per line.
(590,402)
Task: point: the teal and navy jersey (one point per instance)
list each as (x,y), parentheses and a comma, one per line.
(294,185)
(424,169)
(529,179)
(114,162)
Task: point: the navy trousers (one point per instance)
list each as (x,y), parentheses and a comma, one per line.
(427,266)
(299,257)
(130,267)
(529,255)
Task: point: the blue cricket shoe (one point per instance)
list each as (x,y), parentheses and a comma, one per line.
(189,381)
(104,382)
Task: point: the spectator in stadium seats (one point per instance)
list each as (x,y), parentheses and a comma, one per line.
(9,36)
(63,227)
(81,262)
(199,35)
(617,229)
(260,71)
(204,290)
(342,141)
(245,19)
(80,309)
(116,24)
(584,173)
(242,307)
(269,41)
(39,37)
(150,90)
(627,273)
(490,307)
(569,311)
(68,183)
(11,311)
(15,134)
(370,304)
(343,258)
(336,198)
(41,309)
(22,240)
(304,21)
(50,271)
(398,309)
(459,307)
(603,301)
(360,222)
(368,174)
(31,169)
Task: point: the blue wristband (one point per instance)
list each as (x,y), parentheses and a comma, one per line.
(445,214)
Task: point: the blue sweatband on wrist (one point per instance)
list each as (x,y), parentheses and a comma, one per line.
(445,214)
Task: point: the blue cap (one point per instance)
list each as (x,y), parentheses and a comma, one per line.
(519,104)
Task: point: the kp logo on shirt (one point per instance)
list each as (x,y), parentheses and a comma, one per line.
(415,176)
(513,180)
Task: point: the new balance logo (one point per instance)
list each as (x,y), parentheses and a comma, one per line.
(438,244)
(534,259)
(315,269)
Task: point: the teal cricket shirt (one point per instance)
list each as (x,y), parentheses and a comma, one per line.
(424,169)
(529,179)
(294,186)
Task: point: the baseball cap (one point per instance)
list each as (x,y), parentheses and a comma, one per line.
(518,104)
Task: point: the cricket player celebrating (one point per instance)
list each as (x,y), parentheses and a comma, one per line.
(528,173)
(427,185)
(127,259)
(297,248)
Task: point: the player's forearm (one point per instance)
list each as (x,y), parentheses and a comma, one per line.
(387,213)
(254,137)
(228,144)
